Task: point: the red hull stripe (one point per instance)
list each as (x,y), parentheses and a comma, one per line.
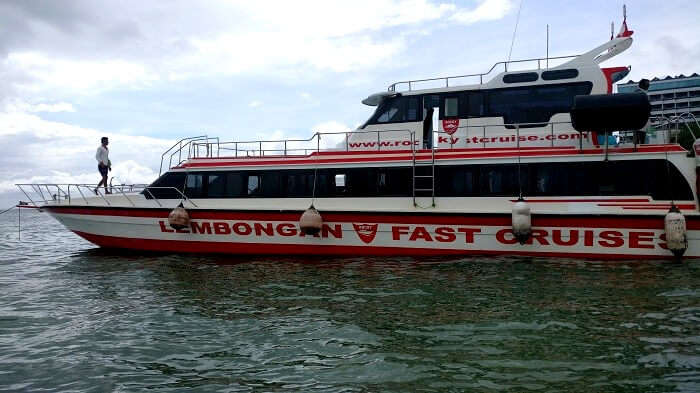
(406,156)
(626,200)
(659,205)
(490,219)
(181,246)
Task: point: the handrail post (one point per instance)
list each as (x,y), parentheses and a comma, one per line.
(77,187)
(318,142)
(347,144)
(378,142)
(154,198)
(285,147)
(260,153)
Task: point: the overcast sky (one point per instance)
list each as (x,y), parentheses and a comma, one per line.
(146,73)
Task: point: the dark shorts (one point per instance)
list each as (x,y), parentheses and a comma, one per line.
(103,170)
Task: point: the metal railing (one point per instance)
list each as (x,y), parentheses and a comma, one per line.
(446,79)
(191,145)
(213,148)
(64,194)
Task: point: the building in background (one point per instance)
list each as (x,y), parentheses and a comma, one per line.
(672,98)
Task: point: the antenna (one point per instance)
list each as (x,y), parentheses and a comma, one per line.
(517,19)
(547,66)
(612,30)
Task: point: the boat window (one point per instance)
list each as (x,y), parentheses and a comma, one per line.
(171,179)
(253,184)
(569,73)
(520,77)
(397,109)
(451,106)
(476,106)
(340,180)
(611,178)
(194,185)
(531,106)
(234,185)
(216,185)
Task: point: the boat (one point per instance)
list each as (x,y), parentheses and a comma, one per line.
(540,161)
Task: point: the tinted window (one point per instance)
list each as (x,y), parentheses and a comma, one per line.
(451,107)
(216,185)
(194,185)
(397,109)
(476,104)
(534,104)
(253,185)
(520,77)
(638,177)
(171,179)
(560,74)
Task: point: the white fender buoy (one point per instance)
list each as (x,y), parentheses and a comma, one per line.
(676,235)
(178,218)
(311,221)
(521,221)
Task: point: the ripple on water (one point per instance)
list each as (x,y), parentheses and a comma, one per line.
(76,318)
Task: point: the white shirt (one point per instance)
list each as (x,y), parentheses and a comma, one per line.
(102,155)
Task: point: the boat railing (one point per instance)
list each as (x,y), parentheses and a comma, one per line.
(191,146)
(205,147)
(411,84)
(40,194)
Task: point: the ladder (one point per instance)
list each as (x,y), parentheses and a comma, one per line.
(424,178)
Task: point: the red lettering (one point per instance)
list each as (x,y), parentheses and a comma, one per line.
(501,236)
(563,136)
(260,229)
(588,238)
(532,137)
(396,232)
(420,233)
(483,140)
(337,231)
(163,228)
(242,228)
(221,228)
(201,227)
(557,238)
(469,234)
(442,139)
(636,239)
(286,229)
(445,234)
(611,239)
(453,140)
(540,235)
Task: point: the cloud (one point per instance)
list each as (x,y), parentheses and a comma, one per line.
(255,104)
(86,47)
(486,10)
(36,150)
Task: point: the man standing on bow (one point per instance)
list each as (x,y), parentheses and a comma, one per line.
(103,163)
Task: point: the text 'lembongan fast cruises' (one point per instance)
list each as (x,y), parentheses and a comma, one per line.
(546,161)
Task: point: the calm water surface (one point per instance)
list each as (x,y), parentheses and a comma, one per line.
(77,318)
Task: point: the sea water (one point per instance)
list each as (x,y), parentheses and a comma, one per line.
(75,318)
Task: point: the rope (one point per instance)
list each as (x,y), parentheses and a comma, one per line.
(7,210)
(512,41)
